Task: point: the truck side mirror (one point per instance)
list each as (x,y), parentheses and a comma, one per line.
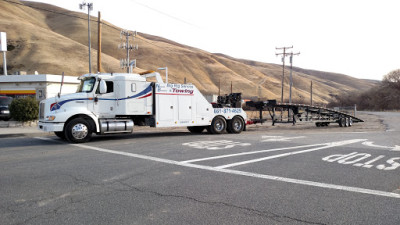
(103,87)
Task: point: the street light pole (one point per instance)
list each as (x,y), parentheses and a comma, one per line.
(291,78)
(90,7)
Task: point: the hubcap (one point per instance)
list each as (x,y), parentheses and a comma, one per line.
(79,131)
(237,125)
(219,126)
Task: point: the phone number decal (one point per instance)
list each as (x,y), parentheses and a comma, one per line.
(227,110)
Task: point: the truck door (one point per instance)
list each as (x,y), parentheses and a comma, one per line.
(185,108)
(105,104)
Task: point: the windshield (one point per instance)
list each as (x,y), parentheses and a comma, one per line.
(4,101)
(87,84)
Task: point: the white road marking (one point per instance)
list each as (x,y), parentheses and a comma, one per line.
(327,145)
(215,145)
(278,138)
(51,200)
(241,173)
(249,153)
(371,144)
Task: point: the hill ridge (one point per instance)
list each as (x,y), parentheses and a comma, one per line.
(48,42)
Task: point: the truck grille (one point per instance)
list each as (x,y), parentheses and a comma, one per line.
(41,111)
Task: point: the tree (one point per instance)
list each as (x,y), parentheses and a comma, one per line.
(392,79)
(24,109)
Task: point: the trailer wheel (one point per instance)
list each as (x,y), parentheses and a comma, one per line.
(342,122)
(350,122)
(346,122)
(196,130)
(78,130)
(235,125)
(60,134)
(218,125)
(318,124)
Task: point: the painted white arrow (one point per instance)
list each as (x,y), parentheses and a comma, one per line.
(370,144)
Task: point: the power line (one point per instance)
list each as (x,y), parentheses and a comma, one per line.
(165,14)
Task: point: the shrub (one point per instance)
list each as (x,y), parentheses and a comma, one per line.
(24,109)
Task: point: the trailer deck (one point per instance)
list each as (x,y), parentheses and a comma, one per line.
(301,113)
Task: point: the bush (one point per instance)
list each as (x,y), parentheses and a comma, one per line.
(24,109)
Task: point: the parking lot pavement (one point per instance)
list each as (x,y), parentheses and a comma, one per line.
(266,175)
(15,128)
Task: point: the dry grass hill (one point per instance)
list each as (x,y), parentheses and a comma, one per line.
(41,40)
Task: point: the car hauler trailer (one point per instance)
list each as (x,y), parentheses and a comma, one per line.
(115,103)
(301,113)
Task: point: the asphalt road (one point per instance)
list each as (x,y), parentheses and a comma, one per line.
(266,175)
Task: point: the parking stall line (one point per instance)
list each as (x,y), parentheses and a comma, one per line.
(249,153)
(246,174)
(326,145)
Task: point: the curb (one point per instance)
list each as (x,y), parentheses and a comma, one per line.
(13,135)
(11,128)
(16,124)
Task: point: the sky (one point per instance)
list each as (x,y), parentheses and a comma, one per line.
(360,38)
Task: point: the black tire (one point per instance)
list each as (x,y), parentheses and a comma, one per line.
(208,128)
(346,122)
(341,121)
(196,130)
(350,121)
(60,134)
(78,130)
(318,124)
(218,125)
(235,125)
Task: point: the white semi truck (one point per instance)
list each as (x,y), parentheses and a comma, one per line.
(114,103)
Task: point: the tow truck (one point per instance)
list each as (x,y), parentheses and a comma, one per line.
(109,103)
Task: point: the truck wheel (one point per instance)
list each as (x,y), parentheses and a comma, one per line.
(60,134)
(235,125)
(196,130)
(346,122)
(218,125)
(350,122)
(78,130)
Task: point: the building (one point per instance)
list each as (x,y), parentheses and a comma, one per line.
(41,86)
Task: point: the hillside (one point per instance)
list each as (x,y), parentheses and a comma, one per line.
(44,38)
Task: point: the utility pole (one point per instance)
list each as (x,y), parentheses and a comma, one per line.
(89,7)
(311,94)
(127,63)
(284,54)
(291,78)
(99,43)
(219,87)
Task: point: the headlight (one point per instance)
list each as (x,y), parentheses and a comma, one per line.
(50,118)
(5,111)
